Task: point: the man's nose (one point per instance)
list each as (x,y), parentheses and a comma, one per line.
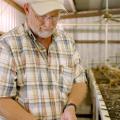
(49,23)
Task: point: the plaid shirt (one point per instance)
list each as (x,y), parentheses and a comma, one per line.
(40,80)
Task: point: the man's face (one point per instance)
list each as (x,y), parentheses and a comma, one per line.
(42,26)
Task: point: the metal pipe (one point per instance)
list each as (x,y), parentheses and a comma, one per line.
(106,43)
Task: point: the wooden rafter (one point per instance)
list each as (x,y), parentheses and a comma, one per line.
(15,5)
(89,13)
(72,5)
(97,41)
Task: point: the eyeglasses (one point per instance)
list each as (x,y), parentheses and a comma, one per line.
(47,17)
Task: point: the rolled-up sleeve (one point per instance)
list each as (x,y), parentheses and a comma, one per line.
(7,72)
(79,71)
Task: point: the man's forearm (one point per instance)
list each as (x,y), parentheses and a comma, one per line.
(76,96)
(78,93)
(11,110)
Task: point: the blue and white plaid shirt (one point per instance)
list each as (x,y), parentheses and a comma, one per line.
(40,80)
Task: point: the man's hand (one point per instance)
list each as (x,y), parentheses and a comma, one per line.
(69,114)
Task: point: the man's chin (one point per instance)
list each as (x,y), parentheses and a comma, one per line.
(45,34)
(44,37)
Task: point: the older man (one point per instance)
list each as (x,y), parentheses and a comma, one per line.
(41,77)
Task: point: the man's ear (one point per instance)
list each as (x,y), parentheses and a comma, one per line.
(26,8)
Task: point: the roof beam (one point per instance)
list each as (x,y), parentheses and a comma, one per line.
(89,13)
(71,2)
(97,41)
(15,5)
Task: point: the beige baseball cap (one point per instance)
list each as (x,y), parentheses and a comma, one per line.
(42,7)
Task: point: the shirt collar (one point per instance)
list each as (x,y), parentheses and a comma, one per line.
(30,33)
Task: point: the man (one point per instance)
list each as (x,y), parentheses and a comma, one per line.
(41,77)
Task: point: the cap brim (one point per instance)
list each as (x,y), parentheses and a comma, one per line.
(43,8)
